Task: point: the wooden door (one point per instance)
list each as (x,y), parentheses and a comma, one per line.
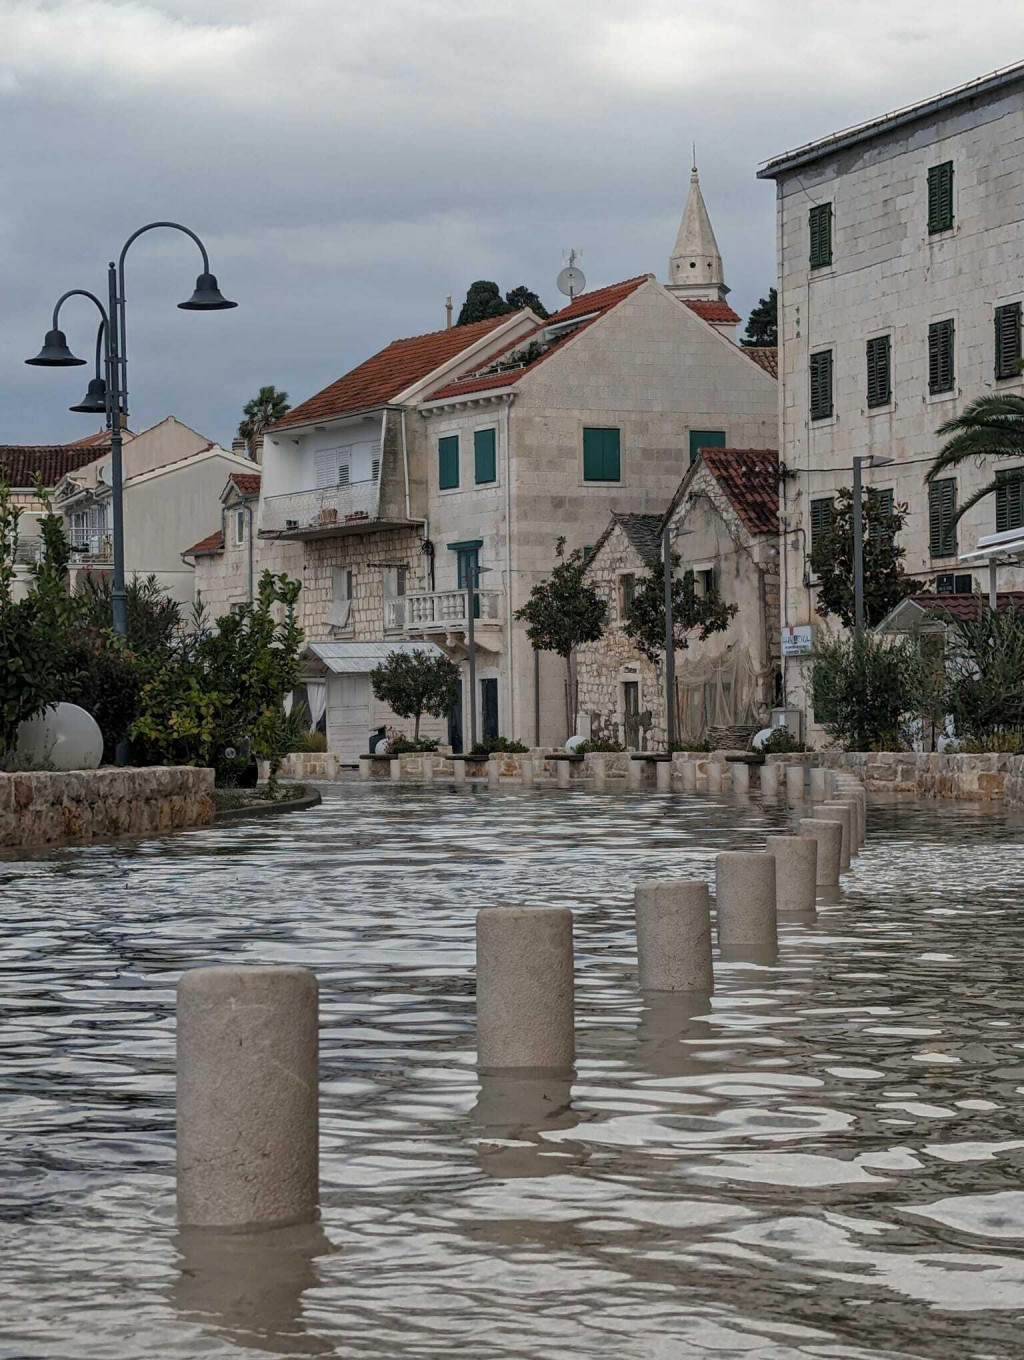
(348,716)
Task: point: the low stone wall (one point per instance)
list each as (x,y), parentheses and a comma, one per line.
(956,777)
(43,808)
(1013,789)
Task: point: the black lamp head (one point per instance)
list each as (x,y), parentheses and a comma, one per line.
(94,403)
(55,353)
(207,297)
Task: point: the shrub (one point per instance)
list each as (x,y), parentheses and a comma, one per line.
(985,675)
(995,743)
(867,690)
(781,742)
(598,747)
(494,745)
(403,745)
(310,741)
(696,746)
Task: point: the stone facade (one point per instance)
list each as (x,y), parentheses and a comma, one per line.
(955,777)
(41,808)
(891,276)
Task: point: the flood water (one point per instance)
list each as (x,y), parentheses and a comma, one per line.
(823,1160)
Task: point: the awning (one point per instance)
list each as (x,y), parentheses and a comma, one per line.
(359,658)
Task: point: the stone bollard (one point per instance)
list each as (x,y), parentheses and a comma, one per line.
(821,785)
(688,776)
(796,872)
(524,988)
(853,803)
(331,762)
(841,812)
(795,783)
(829,836)
(714,777)
(493,772)
(459,767)
(599,766)
(395,768)
(564,774)
(526,766)
(364,769)
(859,800)
(635,774)
(769,781)
(428,769)
(248,1097)
(745,899)
(740,776)
(673,936)
(663,775)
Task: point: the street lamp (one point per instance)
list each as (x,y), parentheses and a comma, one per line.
(871,460)
(667,536)
(111,395)
(473,574)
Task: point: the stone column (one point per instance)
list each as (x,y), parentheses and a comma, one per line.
(673,936)
(524,988)
(564,774)
(248,1092)
(829,835)
(853,803)
(688,775)
(428,769)
(714,777)
(331,763)
(740,776)
(821,789)
(795,783)
(745,899)
(599,766)
(796,872)
(635,774)
(364,769)
(459,768)
(526,765)
(841,812)
(395,766)
(493,772)
(769,781)
(663,774)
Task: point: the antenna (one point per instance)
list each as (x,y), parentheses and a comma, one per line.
(571,280)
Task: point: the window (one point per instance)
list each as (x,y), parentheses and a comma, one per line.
(340,609)
(467,569)
(941,509)
(448,462)
(704,581)
(881,504)
(484,460)
(705,439)
(627,592)
(940,356)
(821,385)
(1010,499)
(588,551)
(1008,346)
(879,375)
(332,467)
(821,235)
(601,455)
(940,197)
(821,517)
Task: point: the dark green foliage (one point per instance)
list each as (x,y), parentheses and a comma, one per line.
(414,683)
(832,560)
(484,301)
(267,406)
(867,690)
(985,675)
(402,745)
(645,617)
(781,743)
(988,427)
(763,322)
(153,618)
(704,745)
(494,745)
(587,748)
(518,298)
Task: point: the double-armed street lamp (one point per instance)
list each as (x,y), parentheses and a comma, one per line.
(870,460)
(108,395)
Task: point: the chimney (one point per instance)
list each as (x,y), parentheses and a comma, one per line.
(238,446)
(448,312)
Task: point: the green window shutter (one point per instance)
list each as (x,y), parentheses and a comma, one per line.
(820,219)
(601,462)
(448,462)
(705,439)
(879,371)
(484,460)
(1008,340)
(941,375)
(941,509)
(1010,499)
(821,517)
(882,504)
(821,385)
(940,197)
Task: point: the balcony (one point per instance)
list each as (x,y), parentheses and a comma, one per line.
(444,612)
(327,512)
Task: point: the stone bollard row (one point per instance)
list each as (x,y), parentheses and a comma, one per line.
(524,988)
(829,836)
(844,813)
(673,936)
(795,783)
(796,872)
(769,781)
(745,904)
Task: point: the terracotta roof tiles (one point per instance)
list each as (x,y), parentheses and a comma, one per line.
(19,463)
(248,483)
(212,543)
(964,608)
(711,311)
(750,478)
(765,356)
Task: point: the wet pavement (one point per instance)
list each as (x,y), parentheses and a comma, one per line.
(823,1160)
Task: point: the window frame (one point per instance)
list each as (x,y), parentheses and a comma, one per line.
(819,229)
(887,495)
(817,413)
(816,514)
(239,527)
(878,363)
(445,443)
(1010,483)
(603,455)
(626,593)
(708,439)
(1007,365)
(492,453)
(937,545)
(941,215)
(936,329)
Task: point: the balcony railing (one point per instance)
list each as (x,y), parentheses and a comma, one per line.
(441,611)
(330,509)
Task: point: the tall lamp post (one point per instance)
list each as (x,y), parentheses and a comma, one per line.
(871,460)
(670,651)
(473,573)
(109,395)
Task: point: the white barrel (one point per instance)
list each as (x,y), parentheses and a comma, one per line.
(524,987)
(673,936)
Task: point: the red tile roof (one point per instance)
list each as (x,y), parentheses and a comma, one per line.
(91,440)
(711,311)
(19,463)
(765,356)
(750,478)
(594,305)
(383,376)
(212,543)
(965,608)
(248,483)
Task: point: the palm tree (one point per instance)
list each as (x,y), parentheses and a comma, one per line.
(266,406)
(990,427)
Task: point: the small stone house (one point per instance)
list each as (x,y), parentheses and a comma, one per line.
(725,525)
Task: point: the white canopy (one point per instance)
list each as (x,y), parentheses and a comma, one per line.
(359,658)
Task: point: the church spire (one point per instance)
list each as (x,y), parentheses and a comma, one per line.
(695,269)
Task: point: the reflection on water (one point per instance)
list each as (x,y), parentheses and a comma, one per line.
(822,1159)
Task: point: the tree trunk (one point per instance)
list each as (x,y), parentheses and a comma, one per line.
(416,729)
(570,726)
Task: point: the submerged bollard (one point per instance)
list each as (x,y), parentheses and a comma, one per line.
(745,899)
(769,781)
(248,1097)
(527,768)
(663,776)
(796,872)
(795,783)
(459,766)
(493,772)
(841,812)
(673,936)
(524,988)
(821,785)
(395,768)
(740,776)
(635,774)
(688,776)
(428,769)
(829,835)
(564,774)
(853,803)
(714,777)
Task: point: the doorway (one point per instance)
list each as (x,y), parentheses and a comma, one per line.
(631,713)
(489,710)
(455,726)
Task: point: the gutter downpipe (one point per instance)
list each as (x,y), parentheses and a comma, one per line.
(251,524)
(380,455)
(405,465)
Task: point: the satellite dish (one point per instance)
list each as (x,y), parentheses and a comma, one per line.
(571,281)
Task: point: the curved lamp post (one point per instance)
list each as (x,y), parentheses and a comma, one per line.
(110,394)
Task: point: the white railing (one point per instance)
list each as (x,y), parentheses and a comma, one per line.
(440,611)
(91,548)
(326,509)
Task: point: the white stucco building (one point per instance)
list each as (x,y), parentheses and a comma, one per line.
(900,251)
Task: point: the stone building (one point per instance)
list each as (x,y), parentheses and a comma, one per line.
(724,524)
(227,562)
(900,295)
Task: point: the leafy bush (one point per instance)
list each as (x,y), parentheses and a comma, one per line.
(403,745)
(867,690)
(695,746)
(414,683)
(309,741)
(781,742)
(645,616)
(985,675)
(494,745)
(996,743)
(885,582)
(587,748)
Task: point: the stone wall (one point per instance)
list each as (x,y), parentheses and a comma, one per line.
(1013,789)
(962,778)
(40,808)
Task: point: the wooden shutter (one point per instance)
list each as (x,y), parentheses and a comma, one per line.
(326,468)
(879,371)
(941,509)
(821,516)
(448,462)
(940,356)
(484,459)
(1010,500)
(820,219)
(881,504)
(1008,340)
(601,461)
(821,385)
(940,197)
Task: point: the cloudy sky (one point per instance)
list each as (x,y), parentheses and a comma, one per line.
(349,164)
